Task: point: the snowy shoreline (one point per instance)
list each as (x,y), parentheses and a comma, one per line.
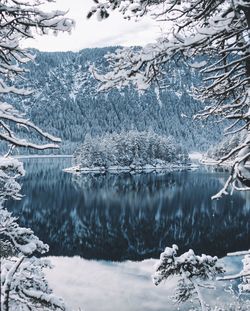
(227,164)
(148,168)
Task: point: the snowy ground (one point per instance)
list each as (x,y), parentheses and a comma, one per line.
(126,169)
(195,156)
(126,286)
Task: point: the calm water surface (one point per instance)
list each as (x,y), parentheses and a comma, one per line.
(128,216)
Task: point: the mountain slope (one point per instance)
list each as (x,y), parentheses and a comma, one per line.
(66,102)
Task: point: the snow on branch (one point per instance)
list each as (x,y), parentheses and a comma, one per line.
(215,32)
(239,178)
(19,20)
(22,282)
(191,271)
(24,286)
(10,170)
(23,240)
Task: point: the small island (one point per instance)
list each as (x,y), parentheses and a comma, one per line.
(129,151)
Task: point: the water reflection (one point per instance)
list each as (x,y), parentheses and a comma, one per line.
(130,216)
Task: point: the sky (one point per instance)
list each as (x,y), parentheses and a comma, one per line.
(93,33)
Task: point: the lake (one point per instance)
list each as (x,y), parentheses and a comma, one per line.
(130,216)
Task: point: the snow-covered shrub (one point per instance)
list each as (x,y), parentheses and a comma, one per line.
(23,283)
(10,169)
(129,148)
(191,271)
(24,286)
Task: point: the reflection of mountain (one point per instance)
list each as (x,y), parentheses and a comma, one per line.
(130,216)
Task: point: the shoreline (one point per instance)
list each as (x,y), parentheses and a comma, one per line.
(35,156)
(127,169)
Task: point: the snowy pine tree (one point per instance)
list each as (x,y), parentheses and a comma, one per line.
(23,284)
(191,270)
(131,149)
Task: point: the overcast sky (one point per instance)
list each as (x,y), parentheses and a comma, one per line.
(92,33)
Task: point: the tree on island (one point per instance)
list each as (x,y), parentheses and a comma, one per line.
(213,37)
(132,149)
(23,283)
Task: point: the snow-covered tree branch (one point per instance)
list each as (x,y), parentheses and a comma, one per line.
(20,20)
(192,271)
(195,274)
(214,38)
(23,283)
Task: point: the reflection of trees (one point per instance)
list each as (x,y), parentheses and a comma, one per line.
(132,216)
(124,182)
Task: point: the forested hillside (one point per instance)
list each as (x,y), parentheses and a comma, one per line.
(66,102)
